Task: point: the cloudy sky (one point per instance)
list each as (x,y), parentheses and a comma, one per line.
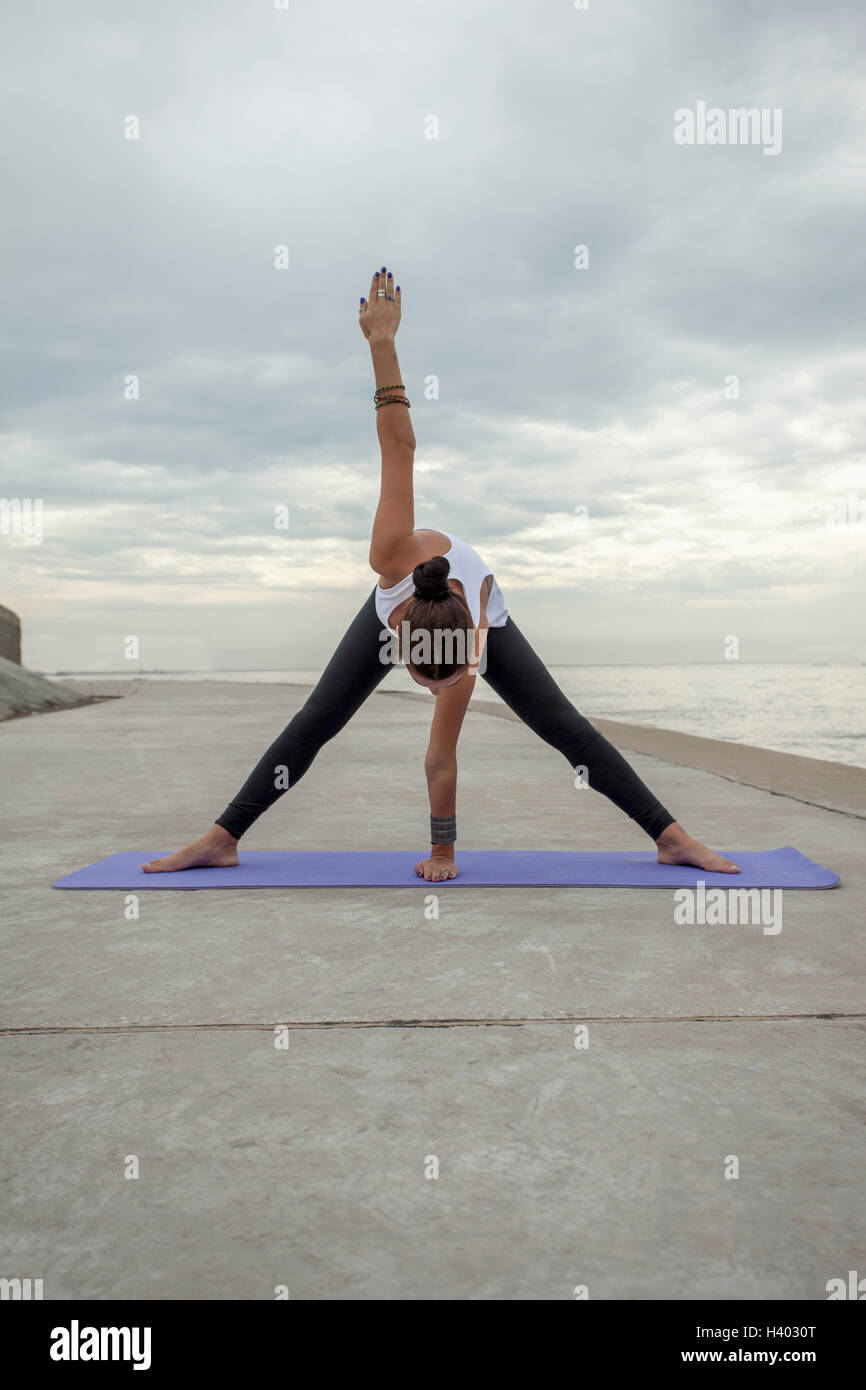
(587,437)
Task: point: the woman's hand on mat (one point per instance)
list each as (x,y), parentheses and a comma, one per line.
(380,318)
(437,868)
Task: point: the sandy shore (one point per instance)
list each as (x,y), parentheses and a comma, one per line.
(413,1036)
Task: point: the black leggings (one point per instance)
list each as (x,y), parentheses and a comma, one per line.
(513,670)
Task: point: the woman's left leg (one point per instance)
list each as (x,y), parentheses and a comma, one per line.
(520,678)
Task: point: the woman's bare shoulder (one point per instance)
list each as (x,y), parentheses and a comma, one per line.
(420,546)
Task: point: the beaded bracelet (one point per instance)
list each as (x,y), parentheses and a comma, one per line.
(380,389)
(393,400)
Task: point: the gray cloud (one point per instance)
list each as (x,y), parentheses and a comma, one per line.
(558,387)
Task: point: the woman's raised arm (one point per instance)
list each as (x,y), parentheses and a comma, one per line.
(394,524)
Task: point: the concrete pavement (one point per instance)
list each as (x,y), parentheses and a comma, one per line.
(410,1037)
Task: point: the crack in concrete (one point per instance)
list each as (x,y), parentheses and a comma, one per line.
(298,1025)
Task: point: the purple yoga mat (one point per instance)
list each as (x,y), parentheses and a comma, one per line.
(771,868)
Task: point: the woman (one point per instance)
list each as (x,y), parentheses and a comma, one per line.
(442,612)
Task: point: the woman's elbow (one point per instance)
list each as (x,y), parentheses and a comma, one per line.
(381,560)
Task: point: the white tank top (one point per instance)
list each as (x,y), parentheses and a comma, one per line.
(468,567)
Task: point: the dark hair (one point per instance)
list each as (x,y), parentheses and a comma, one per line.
(436,608)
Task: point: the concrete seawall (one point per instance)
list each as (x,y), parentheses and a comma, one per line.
(150,1026)
(10,635)
(25,692)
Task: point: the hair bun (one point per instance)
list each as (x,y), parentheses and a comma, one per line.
(431,579)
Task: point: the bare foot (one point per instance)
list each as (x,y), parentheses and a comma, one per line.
(676,847)
(215,850)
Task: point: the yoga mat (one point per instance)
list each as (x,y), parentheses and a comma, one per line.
(772,868)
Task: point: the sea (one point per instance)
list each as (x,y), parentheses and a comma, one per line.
(818,711)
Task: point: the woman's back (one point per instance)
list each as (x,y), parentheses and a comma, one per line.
(466,567)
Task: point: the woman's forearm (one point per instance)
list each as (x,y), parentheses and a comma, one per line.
(442,791)
(393,422)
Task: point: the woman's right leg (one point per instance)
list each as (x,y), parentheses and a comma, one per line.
(351,675)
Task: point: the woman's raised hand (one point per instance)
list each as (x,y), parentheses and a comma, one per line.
(379,316)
